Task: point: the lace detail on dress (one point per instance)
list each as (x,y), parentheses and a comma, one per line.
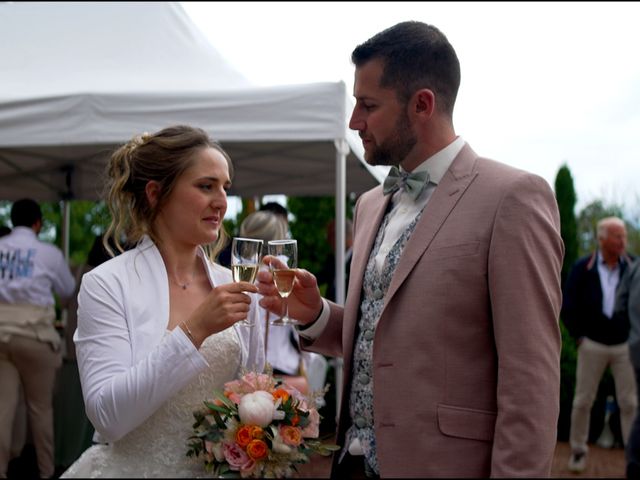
(158,447)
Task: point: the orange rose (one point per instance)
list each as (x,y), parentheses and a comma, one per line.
(281,393)
(257,449)
(290,435)
(244,436)
(256,431)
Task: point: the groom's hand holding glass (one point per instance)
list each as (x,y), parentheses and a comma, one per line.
(304,302)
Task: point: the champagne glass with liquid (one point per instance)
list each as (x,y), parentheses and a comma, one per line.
(285,259)
(245,261)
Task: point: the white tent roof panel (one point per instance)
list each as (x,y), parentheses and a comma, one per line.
(90,75)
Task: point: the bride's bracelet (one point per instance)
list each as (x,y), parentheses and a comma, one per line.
(189,334)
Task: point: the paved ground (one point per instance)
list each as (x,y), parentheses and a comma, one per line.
(602,463)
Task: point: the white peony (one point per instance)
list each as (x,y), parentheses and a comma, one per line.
(256,408)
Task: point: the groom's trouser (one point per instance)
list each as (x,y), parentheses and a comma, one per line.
(34,363)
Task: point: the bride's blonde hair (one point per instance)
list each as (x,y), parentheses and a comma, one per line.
(161,157)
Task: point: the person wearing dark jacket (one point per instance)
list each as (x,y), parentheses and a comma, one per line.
(628,307)
(601,336)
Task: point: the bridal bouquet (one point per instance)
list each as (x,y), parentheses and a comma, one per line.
(258,427)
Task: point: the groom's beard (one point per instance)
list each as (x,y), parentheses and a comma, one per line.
(395,148)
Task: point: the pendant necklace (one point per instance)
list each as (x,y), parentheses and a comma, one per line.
(183,286)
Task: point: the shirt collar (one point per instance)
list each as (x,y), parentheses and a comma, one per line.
(438,163)
(24,231)
(602,262)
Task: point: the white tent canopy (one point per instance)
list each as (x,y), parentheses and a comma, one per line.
(78,79)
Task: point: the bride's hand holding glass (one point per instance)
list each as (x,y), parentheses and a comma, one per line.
(245,261)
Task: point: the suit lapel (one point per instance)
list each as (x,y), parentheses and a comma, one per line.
(455,182)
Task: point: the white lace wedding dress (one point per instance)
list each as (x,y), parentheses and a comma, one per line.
(158,447)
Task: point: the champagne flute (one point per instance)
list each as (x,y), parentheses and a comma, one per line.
(245,261)
(285,259)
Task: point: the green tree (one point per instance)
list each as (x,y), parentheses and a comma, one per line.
(566,198)
(309,227)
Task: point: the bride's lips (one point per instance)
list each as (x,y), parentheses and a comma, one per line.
(215,221)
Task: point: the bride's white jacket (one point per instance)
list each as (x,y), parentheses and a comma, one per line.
(129,365)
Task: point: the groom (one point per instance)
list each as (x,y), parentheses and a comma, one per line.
(449,332)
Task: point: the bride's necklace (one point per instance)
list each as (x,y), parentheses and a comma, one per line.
(184,285)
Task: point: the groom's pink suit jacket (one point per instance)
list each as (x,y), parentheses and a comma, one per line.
(466,353)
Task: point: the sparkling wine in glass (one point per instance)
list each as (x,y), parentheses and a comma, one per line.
(245,261)
(282,265)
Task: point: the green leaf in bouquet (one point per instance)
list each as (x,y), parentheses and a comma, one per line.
(195,447)
(219,422)
(218,408)
(303,419)
(224,399)
(324,449)
(214,435)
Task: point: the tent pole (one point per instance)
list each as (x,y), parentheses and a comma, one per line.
(66,227)
(342,149)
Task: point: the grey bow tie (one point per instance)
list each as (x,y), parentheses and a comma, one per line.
(412,183)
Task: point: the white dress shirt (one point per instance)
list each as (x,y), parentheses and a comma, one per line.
(404,210)
(609,279)
(32,270)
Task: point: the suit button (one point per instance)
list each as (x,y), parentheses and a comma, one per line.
(363,378)
(369,334)
(377,294)
(360,422)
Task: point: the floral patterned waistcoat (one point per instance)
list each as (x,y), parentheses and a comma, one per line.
(374,289)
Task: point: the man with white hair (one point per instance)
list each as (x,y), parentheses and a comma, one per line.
(587,312)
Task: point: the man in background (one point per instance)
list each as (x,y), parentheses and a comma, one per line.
(601,337)
(30,272)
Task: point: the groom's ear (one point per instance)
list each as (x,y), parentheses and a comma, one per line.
(423,102)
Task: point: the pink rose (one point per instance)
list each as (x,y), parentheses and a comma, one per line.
(236,457)
(248,469)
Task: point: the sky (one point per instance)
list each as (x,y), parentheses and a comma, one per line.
(544,84)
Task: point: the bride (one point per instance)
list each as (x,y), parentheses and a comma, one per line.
(157,328)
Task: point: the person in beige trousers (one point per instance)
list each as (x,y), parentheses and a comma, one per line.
(31,271)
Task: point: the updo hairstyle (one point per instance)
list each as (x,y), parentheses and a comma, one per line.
(161,157)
